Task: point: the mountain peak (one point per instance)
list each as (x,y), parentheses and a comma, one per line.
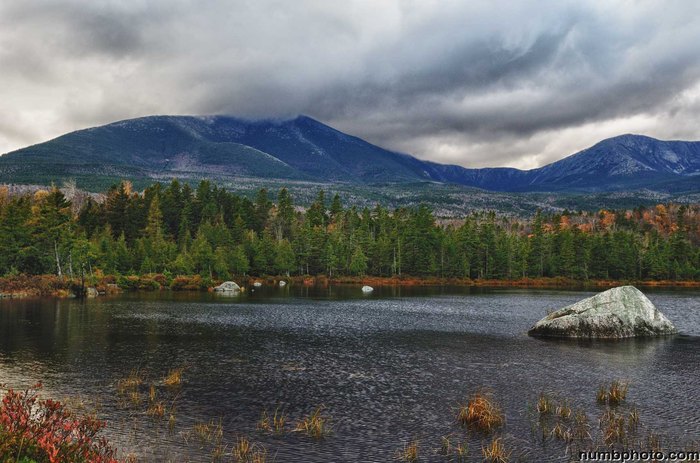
(303,148)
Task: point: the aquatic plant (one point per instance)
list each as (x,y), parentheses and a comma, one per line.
(615,394)
(314,425)
(456,452)
(495,452)
(174,377)
(274,423)
(481,413)
(409,452)
(131,382)
(545,405)
(245,451)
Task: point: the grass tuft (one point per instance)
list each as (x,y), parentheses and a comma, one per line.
(245,451)
(495,452)
(314,425)
(174,377)
(615,394)
(481,413)
(409,452)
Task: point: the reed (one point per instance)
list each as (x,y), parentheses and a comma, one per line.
(633,419)
(617,393)
(245,451)
(274,423)
(563,410)
(456,452)
(545,405)
(614,394)
(131,382)
(208,432)
(409,452)
(156,410)
(613,427)
(481,413)
(495,452)
(314,425)
(174,377)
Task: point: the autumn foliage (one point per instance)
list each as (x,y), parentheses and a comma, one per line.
(44,431)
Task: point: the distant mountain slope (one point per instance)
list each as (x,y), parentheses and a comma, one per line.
(303,149)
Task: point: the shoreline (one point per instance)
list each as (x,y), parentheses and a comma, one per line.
(23,286)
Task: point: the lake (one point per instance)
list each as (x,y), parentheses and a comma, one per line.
(388,368)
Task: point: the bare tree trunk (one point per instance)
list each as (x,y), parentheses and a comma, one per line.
(58,259)
(70,265)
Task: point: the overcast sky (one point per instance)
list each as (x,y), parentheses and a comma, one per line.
(475,83)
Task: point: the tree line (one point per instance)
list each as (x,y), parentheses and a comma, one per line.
(180,230)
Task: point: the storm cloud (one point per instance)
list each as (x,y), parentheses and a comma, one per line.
(478,83)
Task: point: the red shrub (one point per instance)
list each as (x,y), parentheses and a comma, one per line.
(46,432)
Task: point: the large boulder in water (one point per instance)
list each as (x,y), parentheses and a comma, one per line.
(621,312)
(228,287)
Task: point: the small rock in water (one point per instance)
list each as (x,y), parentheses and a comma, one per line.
(257,284)
(283,283)
(367,289)
(621,312)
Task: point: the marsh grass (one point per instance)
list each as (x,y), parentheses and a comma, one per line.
(495,452)
(456,452)
(245,451)
(275,423)
(613,427)
(545,405)
(633,419)
(156,410)
(481,413)
(614,394)
(174,377)
(210,432)
(409,452)
(314,425)
(130,383)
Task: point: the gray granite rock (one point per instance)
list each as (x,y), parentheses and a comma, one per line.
(228,287)
(621,312)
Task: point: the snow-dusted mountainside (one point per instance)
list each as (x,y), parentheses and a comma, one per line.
(303,149)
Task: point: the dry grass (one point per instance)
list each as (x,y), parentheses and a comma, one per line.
(615,394)
(208,432)
(156,410)
(545,405)
(495,452)
(456,452)
(613,427)
(272,423)
(314,425)
(563,410)
(633,419)
(409,452)
(481,413)
(561,432)
(131,382)
(174,377)
(245,451)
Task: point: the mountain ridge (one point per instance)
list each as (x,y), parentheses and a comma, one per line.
(304,149)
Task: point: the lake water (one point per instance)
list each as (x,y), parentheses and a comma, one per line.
(388,368)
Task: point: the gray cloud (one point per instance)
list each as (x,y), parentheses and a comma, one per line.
(490,82)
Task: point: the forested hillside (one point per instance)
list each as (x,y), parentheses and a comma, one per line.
(175,230)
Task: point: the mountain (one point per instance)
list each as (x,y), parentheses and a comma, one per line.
(305,150)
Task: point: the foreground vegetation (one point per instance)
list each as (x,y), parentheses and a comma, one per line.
(34,430)
(173,230)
